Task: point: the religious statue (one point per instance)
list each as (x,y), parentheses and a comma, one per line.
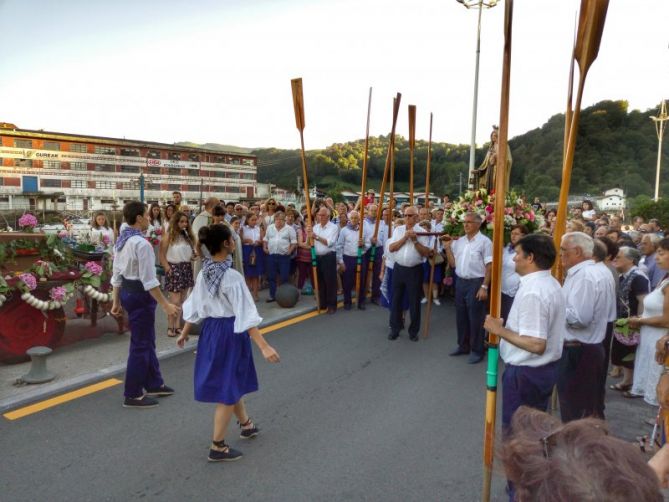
(484,176)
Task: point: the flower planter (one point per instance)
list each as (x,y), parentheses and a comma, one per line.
(27,252)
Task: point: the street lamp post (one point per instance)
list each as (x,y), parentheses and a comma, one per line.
(659,128)
(480,5)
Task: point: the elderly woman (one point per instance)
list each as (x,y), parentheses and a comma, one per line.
(634,286)
(653,322)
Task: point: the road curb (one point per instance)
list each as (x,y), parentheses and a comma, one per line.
(65,385)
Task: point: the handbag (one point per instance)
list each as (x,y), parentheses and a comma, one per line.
(624,334)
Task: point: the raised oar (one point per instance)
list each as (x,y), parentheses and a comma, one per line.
(427,167)
(386,170)
(591,20)
(363,188)
(498,247)
(391,200)
(428,313)
(412,146)
(298,104)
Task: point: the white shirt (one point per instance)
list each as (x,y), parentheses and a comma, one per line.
(537,311)
(408,255)
(279,241)
(347,242)
(179,251)
(251,233)
(510,279)
(233,300)
(472,256)
(136,261)
(388,257)
(98,233)
(585,305)
(607,285)
(201,220)
(329,232)
(381,236)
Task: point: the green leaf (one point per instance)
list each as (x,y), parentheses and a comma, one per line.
(95,282)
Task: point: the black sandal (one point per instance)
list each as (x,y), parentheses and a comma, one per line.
(249,433)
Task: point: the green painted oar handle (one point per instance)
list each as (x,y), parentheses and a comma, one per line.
(313,256)
(359,260)
(491,380)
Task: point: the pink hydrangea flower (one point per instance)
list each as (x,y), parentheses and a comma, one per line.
(27,220)
(93,268)
(29,280)
(106,240)
(62,234)
(58,294)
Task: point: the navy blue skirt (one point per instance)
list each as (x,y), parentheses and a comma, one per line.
(224,369)
(438,273)
(258,269)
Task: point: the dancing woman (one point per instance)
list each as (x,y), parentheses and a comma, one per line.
(224,369)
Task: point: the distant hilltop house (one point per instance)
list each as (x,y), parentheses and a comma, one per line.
(612,201)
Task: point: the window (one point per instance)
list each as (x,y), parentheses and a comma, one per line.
(173,156)
(153,186)
(51,145)
(247,176)
(131,185)
(105,150)
(129,152)
(154,169)
(153,154)
(78,147)
(173,187)
(193,188)
(248,162)
(50,183)
(219,159)
(23,143)
(193,172)
(79,184)
(194,157)
(51,164)
(78,166)
(105,184)
(105,168)
(23,163)
(128,169)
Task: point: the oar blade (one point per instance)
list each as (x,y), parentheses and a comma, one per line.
(298,102)
(591,20)
(412,126)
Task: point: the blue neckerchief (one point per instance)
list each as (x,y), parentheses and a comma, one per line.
(351,227)
(125,235)
(213,272)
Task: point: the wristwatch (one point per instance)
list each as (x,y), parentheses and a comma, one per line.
(483,286)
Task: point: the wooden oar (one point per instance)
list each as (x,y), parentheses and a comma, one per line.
(591,20)
(298,104)
(412,146)
(498,247)
(427,167)
(363,187)
(386,170)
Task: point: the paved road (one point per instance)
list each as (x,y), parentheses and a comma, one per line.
(347,415)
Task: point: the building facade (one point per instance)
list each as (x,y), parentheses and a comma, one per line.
(52,170)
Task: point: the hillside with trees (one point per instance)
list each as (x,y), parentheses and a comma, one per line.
(615,148)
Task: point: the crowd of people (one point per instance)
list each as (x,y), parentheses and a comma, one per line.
(609,313)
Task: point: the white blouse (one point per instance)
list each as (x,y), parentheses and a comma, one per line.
(179,251)
(251,233)
(233,300)
(98,233)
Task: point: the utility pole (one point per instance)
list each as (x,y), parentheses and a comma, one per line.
(659,128)
(460,185)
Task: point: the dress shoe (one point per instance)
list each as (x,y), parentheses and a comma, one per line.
(459,352)
(413,338)
(474,358)
(331,310)
(361,306)
(393,336)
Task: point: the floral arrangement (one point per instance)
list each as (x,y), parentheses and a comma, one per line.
(4,290)
(58,294)
(516,212)
(28,222)
(27,282)
(155,235)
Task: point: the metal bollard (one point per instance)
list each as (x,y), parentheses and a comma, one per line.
(38,372)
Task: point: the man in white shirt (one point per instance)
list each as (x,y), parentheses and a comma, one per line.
(279,243)
(377,247)
(531,342)
(409,250)
(586,307)
(471,256)
(325,235)
(347,258)
(137,289)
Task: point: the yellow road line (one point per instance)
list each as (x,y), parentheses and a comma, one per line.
(90,389)
(63,398)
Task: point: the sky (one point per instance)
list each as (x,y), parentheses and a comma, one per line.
(219,70)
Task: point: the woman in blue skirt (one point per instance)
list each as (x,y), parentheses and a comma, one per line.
(224,369)
(254,257)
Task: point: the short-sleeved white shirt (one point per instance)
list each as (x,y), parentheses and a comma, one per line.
(472,256)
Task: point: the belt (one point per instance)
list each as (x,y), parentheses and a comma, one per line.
(572,343)
(132,285)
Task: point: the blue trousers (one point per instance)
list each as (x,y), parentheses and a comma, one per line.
(376,271)
(143,371)
(406,281)
(469,315)
(526,386)
(277,264)
(348,280)
(579,381)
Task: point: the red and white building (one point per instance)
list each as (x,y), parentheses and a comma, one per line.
(76,172)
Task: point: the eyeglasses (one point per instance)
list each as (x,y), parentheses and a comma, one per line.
(550,442)
(271,203)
